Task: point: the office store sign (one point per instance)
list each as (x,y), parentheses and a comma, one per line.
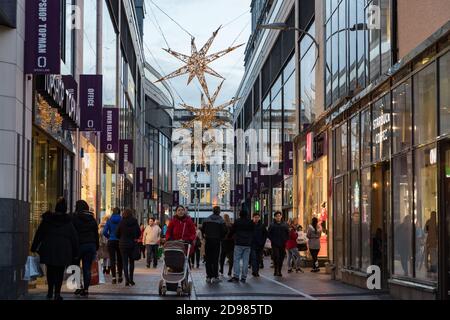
(42,37)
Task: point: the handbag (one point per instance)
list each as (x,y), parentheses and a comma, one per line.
(136,252)
(33,268)
(95,278)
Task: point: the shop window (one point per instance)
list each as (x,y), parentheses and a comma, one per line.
(401,117)
(425,213)
(355,217)
(341,149)
(402,218)
(366,204)
(366,143)
(444,82)
(381,128)
(425,105)
(354,143)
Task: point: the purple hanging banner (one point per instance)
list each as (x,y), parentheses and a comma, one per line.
(91,102)
(148,189)
(42,37)
(288,158)
(175,198)
(109,137)
(141,176)
(125,154)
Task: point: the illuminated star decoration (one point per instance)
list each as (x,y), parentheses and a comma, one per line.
(197,62)
(207,113)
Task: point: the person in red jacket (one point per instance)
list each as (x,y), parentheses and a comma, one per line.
(181,227)
(291,247)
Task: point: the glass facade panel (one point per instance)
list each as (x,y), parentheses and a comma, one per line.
(355,216)
(444,83)
(425,93)
(402,218)
(109,56)
(366,205)
(425,213)
(90,37)
(366,150)
(309,109)
(401,117)
(341,149)
(354,143)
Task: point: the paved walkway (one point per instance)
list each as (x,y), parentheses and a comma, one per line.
(294,286)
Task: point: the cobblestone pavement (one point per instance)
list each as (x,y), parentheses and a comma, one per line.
(294,286)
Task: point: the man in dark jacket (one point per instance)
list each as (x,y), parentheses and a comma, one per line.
(113,245)
(242,230)
(258,242)
(278,235)
(213,230)
(128,232)
(87,229)
(56,242)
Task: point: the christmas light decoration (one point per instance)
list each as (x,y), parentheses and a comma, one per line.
(197,62)
(224,183)
(183,183)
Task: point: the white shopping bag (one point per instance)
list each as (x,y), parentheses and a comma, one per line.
(33,268)
(101,275)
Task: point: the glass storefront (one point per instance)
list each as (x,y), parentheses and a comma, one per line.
(108,182)
(89,170)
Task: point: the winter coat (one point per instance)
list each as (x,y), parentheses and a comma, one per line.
(182,229)
(278,234)
(259,236)
(242,230)
(87,228)
(152,235)
(292,242)
(111,227)
(103,252)
(214,228)
(228,241)
(56,240)
(128,232)
(314,237)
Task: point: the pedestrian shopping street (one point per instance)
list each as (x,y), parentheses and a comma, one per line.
(294,286)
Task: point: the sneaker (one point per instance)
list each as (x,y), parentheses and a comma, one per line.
(234,279)
(208,280)
(243,280)
(216,280)
(132,283)
(114,281)
(84,293)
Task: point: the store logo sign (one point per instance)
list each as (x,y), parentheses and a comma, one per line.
(380,123)
(374,277)
(373,17)
(91,102)
(110,131)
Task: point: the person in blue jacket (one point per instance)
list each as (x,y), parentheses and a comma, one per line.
(113,245)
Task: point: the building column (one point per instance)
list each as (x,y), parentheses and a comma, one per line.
(15,140)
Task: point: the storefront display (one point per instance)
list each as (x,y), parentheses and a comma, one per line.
(89,170)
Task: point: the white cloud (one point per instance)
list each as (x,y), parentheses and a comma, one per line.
(200,18)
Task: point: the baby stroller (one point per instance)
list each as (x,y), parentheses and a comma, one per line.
(175,271)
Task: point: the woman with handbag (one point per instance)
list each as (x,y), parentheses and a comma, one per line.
(128,233)
(87,230)
(56,242)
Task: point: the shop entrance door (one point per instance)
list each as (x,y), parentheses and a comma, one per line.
(444,245)
(381,208)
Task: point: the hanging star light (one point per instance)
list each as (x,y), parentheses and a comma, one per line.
(183,181)
(224,183)
(207,113)
(197,62)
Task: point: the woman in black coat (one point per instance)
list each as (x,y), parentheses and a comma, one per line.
(56,242)
(128,232)
(87,229)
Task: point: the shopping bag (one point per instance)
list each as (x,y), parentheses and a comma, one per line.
(101,275)
(94,273)
(33,268)
(136,252)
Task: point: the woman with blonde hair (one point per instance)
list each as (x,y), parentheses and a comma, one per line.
(227,246)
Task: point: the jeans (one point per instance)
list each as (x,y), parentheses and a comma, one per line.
(195,256)
(128,263)
(212,251)
(278,254)
(55,276)
(152,253)
(115,255)
(255,258)
(87,255)
(293,255)
(241,253)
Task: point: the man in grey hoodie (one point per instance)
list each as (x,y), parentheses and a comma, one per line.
(213,230)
